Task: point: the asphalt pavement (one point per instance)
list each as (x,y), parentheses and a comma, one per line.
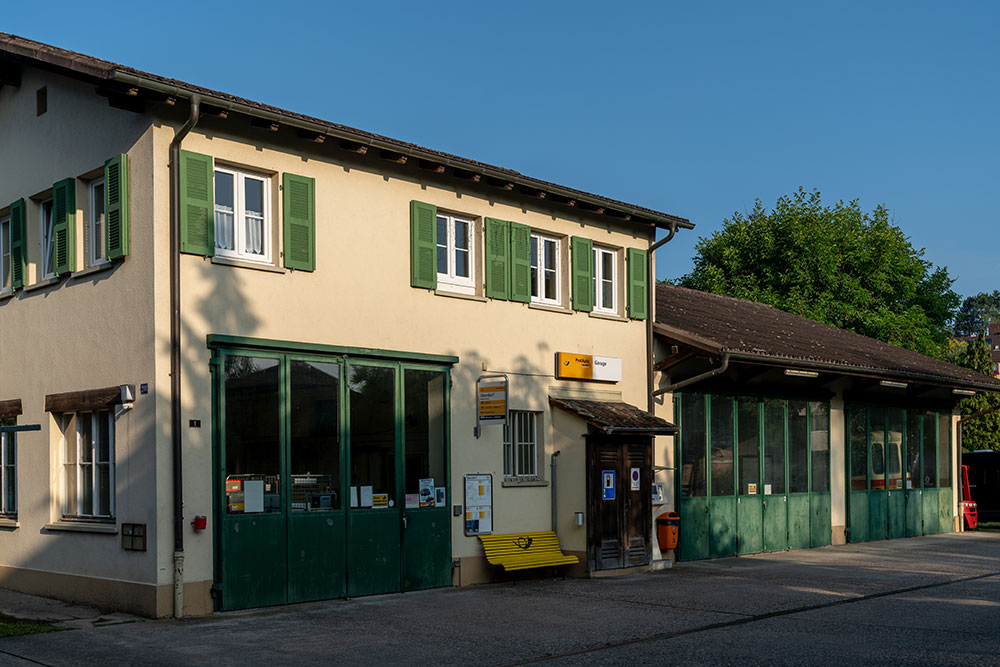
(931,600)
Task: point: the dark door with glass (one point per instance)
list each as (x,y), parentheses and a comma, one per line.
(619,498)
(332,478)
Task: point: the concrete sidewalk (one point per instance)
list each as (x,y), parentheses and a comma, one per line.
(928,600)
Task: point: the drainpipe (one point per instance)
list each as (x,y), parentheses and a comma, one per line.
(651,297)
(175,350)
(553,465)
(697,378)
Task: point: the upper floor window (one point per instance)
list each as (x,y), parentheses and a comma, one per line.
(545,269)
(95,225)
(242,217)
(4,254)
(88,464)
(605,280)
(48,240)
(455,253)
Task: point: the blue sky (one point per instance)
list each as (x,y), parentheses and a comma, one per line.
(695,109)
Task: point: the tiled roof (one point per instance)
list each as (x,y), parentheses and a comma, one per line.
(757,332)
(615,416)
(89,66)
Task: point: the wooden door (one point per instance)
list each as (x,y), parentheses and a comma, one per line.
(619,502)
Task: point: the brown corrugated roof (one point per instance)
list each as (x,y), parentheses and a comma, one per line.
(615,417)
(757,332)
(102,69)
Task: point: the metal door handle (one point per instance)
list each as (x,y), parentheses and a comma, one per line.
(404,523)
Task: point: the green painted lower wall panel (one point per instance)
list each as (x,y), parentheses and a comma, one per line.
(427,548)
(694,529)
(253,572)
(896,516)
(750,531)
(723,528)
(914,501)
(373,562)
(317,556)
(946,520)
(798,520)
(820,529)
(877,511)
(932,525)
(775,523)
(858,516)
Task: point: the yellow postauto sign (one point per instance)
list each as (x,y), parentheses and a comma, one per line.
(570,365)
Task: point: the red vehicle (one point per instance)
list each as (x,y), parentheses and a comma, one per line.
(968,504)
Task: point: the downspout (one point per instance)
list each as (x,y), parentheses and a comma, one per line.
(175,351)
(697,378)
(553,465)
(651,297)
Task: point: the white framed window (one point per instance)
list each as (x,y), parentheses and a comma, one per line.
(520,445)
(5,277)
(48,240)
(605,280)
(8,472)
(455,253)
(95,225)
(545,270)
(88,464)
(242,215)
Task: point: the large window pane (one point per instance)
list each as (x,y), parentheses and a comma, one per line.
(930,450)
(798,447)
(693,478)
(749,437)
(252,435)
(774,446)
(944,451)
(315,443)
(877,444)
(373,435)
(913,476)
(858,418)
(424,439)
(894,449)
(819,446)
(722,446)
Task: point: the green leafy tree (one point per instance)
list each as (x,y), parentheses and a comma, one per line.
(976,312)
(982,432)
(834,264)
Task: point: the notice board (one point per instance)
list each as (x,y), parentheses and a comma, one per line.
(478,504)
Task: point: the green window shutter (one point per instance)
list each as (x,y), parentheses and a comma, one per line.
(637,288)
(520,262)
(423,245)
(197,204)
(497,259)
(64,226)
(116,207)
(299,221)
(17,244)
(583,273)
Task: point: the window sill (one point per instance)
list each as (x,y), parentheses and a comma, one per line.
(524,482)
(243,264)
(8,523)
(45,282)
(460,295)
(83,527)
(608,316)
(95,268)
(551,309)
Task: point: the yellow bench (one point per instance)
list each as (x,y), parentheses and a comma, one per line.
(522,551)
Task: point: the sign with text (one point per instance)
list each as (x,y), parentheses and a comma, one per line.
(492,397)
(570,365)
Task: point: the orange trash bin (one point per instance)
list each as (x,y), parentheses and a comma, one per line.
(667,527)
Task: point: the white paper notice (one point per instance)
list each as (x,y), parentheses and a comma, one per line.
(366,495)
(253,495)
(767,489)
(354,496)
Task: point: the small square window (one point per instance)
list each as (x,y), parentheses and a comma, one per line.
(242,215)
(520,446)
(455,253)
(545,270)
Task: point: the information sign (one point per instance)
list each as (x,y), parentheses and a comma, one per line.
(574,366)
(608,492)
(634,478)
(478,504)
(492,397)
